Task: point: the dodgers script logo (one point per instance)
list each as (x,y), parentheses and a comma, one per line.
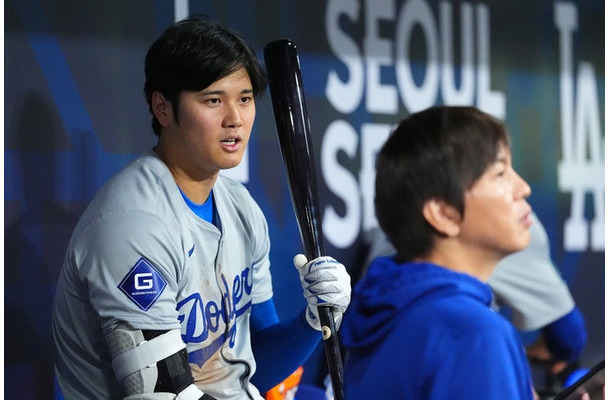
(143,284)
(200,318)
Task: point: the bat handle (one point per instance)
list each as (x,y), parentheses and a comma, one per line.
(333,350)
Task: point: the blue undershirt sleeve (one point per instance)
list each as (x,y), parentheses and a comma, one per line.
(566,337)
(279,347)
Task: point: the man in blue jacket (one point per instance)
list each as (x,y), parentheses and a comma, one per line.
(420,324)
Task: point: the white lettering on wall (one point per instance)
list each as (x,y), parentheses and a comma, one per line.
(340,230)
(358,80)
(451,93)
(380,98)
(344,95)
(373,138)
(581,168)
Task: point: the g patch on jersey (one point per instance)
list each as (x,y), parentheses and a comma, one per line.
(143,284)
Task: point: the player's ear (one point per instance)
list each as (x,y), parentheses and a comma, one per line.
(444,217)
(161,108)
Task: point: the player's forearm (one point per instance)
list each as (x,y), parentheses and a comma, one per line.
(280,349)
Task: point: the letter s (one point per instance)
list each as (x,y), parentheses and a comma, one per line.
(344,96)
(340,231)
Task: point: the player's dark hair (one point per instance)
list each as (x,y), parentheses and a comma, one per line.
(438,153)
(194,53)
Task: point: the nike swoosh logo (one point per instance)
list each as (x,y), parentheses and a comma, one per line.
(191,250)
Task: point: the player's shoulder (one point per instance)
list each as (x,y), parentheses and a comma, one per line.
(230,184)
(139,187)
(227,188)
(146,172)
(233,200)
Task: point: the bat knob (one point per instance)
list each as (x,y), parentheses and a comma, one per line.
(299,260)
(326,332)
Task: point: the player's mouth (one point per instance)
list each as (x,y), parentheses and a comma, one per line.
(231,144)
(527,219)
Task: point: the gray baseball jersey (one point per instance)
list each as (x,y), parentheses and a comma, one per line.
(140,255)
(527,282)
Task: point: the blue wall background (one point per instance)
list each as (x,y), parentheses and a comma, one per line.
(74,115)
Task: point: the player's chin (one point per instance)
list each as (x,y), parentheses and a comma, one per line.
(232,161)
(521,239)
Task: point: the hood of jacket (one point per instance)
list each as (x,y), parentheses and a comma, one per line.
(389,288)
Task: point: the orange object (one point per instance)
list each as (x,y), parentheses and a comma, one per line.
(286,389)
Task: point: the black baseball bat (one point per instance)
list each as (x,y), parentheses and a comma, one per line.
(294,132)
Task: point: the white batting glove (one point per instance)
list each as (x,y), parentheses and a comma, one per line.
(325,282)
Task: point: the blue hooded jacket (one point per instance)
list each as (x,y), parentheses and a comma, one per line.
(419,331)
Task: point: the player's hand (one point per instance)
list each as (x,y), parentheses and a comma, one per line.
(325,282)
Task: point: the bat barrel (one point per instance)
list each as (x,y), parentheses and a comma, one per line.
(294,131)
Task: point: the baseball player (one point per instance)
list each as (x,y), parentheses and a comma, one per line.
(166,291)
